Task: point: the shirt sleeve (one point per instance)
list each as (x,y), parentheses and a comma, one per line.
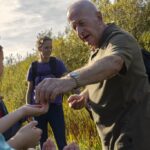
(61,69)
(124,46)
(3,144)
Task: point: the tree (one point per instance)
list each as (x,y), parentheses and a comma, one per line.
(131,15)
(71,50)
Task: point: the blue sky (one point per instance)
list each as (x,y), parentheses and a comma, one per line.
(22,20)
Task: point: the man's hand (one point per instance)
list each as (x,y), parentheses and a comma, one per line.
(49,88)
(27,137)
(77,101)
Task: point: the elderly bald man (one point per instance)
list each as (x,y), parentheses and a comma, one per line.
(117,86)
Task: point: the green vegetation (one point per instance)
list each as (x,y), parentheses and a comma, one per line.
(132,15)
(80,128)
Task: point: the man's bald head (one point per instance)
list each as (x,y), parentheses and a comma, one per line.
(86,21)
(82,6)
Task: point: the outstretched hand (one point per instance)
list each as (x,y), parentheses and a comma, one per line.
(34,110)
(77,101)
(49,88)
(27,137)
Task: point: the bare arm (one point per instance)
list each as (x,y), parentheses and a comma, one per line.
(97,71)
(26,110)
(29,93)
(100,70)
(7,121)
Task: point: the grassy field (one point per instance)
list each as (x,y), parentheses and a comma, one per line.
(79,126)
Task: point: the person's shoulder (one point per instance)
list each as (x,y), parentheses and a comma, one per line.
(35,62)
(58,60)
(123,37)
(118,33)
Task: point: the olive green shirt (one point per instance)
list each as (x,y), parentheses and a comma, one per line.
(113,99)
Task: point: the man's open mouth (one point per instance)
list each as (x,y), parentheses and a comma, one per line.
(85,38)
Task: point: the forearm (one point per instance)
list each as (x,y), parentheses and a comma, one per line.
(7,121)
(99,70)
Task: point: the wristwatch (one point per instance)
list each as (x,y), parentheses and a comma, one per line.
(75,75)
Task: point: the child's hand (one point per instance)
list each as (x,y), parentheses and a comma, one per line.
(49,145)
(27,137)
(34,110)
(72,146)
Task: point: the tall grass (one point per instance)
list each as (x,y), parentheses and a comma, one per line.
(79,125)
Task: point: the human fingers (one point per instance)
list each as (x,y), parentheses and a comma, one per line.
(72,146)
(47,95)
(35,135)
(73,97)
(72,100)
(49,145)
(44,108)
(58,86)
(36,109)
(74,105)
(38,132)
(54,89)
(33,110)
(77,104)
(46,90)
(38,90)
(54,93)
(32,124)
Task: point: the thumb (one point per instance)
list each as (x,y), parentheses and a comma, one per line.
(72,98)
(32,124)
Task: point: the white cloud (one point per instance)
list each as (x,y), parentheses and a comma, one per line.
(22,20)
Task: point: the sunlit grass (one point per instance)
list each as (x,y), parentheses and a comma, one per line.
(79,126)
